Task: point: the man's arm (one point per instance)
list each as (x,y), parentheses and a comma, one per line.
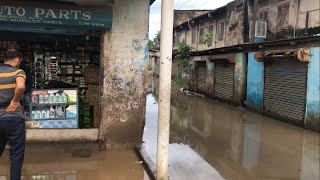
(18,93)
(20,88)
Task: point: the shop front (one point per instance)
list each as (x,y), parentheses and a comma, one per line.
(220,76)
(60,44)
(285,85)
(201,68)
(224,80)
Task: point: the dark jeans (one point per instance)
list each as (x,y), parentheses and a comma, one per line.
(13,133)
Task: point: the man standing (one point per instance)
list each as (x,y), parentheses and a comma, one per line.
(12,127)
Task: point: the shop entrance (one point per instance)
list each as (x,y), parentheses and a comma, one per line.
(63,78)
(224,80)
(285,90)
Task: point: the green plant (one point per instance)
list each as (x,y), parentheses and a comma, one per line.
(180,82)
(183,55)
(208,39)
(155,43)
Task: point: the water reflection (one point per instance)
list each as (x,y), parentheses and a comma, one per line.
(234,143)
(76,162)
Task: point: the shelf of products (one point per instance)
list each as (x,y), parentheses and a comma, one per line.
(54,108)
(60,64)
(75,75)
(53,104)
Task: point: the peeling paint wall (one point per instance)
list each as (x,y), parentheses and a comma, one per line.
(313,91)
(233,29)
(181,16)
(313,7)
(240,78)
(210,78)
(234,24)
(296,13)
(193,75)
(255,84)
(124,59)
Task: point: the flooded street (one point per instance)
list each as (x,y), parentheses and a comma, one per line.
(211,140)
(76,162)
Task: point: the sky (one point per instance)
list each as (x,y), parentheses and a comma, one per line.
(155,10)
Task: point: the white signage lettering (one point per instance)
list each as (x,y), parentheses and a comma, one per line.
(46,13)
(51,16)
(20,11)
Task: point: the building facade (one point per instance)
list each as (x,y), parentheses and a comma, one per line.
(117,32)
(261,54)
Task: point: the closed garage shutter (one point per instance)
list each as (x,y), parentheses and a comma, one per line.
(224,80)
(202,71)
(285,90)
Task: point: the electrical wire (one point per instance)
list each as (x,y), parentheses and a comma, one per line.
(183,6)
(204,3)
(194,3)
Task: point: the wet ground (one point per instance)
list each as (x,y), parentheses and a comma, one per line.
(76,162)
(210,140)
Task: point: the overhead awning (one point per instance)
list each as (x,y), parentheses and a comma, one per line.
(91,2)
(303,54)
(230,57)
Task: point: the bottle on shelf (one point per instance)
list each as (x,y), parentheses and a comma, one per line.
(58,98)
(46,99)
(48,113)
(38,115)
(34,115)
(41,99)
(52,112)
(43,114)
(64,98)
(52,98)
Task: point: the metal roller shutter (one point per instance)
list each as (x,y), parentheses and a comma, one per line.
(224,80)
(202,71)
(285,90)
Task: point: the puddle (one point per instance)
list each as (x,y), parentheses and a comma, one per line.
(211,140)
(76,162)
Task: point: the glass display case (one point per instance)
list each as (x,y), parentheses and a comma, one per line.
(54,109)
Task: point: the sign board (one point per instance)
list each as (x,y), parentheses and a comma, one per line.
(55,17)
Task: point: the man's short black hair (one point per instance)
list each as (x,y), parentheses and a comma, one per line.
(12,54)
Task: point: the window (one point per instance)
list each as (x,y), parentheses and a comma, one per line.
(211,29)
(203,32)
(283,16)
(263,15)
(194,37)
(201,35)
(176,39)
(220,31)
(250,29)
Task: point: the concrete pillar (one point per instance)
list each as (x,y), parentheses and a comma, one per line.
(165,88)
(125,59)
(210,78)
(255,81)
(192,75)
(240,78)
(313,91)
(255,84)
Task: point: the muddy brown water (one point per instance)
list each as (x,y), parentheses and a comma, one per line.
(211,140)
(76,162)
